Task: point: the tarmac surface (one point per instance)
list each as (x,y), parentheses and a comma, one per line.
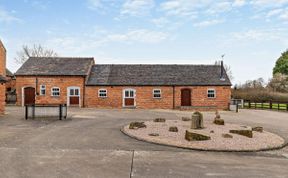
(89,144)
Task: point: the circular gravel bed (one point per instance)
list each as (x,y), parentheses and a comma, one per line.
(158,132)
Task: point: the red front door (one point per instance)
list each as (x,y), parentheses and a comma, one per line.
(29,95)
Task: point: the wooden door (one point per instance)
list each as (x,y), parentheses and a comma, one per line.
(186,97)
(129,97)
(74,96)
(74,100)
(29,95)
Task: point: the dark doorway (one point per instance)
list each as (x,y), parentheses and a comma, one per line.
(185,97)
(29,95)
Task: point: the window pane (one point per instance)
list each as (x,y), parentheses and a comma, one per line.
(102,93)
(131,93)
(126,93)
(211,93)
(76,92)
(71,92)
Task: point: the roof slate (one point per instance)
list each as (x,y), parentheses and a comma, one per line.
(65,66)
(158,75)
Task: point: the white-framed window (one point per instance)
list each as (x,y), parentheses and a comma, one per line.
(211,93)
(74,92)
(55,91)
(42,90)
(156,93)
(102,93)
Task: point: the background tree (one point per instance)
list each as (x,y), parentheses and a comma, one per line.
(281,65)
(279,83)
(36,50)
(227,69)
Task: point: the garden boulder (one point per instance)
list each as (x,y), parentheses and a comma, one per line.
(192,136)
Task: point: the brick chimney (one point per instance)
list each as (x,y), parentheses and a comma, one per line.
(2,59)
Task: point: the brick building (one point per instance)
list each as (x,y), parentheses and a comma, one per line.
(11,81)
(2,77)
(60,80)
(199,87)
(52,81)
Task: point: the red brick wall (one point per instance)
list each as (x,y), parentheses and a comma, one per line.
(2,60)
(62,82)
(3,73)
(2,98)
(145,100)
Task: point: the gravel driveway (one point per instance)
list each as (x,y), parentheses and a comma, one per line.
(89,144)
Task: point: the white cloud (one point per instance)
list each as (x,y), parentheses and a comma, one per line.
(274,12)
(138,35)
(284,15)
(94,4)
(261,5)
(239,3)
(102,6)
(220,7)
(183,8)
(137,7)
(7,17)
(160,22)
(77,44)
(278,34)
(208,23)
(197,8)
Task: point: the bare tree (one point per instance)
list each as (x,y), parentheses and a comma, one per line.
(36,50)
(227,69)
(279,83)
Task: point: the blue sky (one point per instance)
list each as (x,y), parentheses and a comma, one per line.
(252,33)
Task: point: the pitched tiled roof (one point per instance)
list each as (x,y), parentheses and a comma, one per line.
(65,66)
(2,79)
(194,75)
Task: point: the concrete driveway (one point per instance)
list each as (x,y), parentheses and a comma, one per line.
(89,144)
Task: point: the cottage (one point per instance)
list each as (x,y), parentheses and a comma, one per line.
(52,81)
(198,87)
(78,81)
(2,77)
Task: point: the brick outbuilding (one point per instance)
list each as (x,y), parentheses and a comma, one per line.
(52,81)
(79,81)
(197,87)
(2,77)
